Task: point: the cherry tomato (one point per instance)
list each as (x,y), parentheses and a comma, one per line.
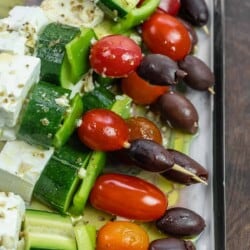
(141,127)
(165,34)
(170,7)
(102,129)
(115,56)
(140,90)
(122,235)
(128,196)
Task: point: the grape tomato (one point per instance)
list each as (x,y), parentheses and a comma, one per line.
(165,34)
(115,56)
(129,197)
(122,235)
(102,129)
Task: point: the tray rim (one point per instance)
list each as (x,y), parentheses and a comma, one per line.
(219,127)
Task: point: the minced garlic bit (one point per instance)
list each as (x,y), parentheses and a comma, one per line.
(44,121)
(62,101)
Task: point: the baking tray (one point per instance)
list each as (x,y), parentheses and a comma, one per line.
(209,201)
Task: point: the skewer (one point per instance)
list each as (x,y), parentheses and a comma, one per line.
(180,169)
(211,90)
(205,28)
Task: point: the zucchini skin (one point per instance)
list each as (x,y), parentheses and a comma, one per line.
(43,116)
(51,49)
(59,180)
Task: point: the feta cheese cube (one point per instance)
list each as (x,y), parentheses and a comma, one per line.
(21,165)
(12,210)
(17,75)
(19,31)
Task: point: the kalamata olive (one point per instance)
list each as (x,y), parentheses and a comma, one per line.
(171,244)
(150,155)
(159,69)
(192,32)
(189,164)
(181,222)
(199,75)
(178,111)
(195,11)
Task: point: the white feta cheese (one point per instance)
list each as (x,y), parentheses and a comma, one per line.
(73,12)
(19,31)
(12,210)
(17,75)
(21,165)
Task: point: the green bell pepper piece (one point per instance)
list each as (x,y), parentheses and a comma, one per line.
(136,16)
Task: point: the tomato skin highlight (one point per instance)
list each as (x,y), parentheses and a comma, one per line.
(115,56)
(165,34)
(129,197)
(102,129)
(140,90)
(122,235)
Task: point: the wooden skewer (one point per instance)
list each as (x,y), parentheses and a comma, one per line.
(180,169)
(205,28)
(211,91)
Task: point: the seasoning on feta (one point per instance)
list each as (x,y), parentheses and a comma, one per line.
(17,75)
(19,31)
(73,12)
(12,209)
(21,165)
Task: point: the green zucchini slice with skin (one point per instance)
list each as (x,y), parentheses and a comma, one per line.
(60,178)
(47,230)
(64,52)
(49,117)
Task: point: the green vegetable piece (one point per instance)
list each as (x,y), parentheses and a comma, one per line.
(85,236)
(115,8)
(122,106)
(136,16)
(69,124)
(76,61)
(93,169)
(47,230)
(64,52)
(100,97)
(44,114)
(60,178)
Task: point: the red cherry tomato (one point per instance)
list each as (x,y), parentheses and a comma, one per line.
(170,7)
(122,235)
(165,34)
(102,129)
(115,56)
(129,197)
(140,90)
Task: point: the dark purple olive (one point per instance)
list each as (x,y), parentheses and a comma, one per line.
(178,112)
(187,163)
(150,155)
(158,69)
(191,31)
(171,244)
(194,11)
(199,75)
(181,222)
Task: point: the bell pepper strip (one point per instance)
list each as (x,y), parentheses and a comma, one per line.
(136,16)
(85,236)
(61,177)
(64,51)
(94,168)
(69,123)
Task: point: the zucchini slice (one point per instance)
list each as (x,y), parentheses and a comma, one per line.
(64,51)
(47,230)
(60,178)
(49,117)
